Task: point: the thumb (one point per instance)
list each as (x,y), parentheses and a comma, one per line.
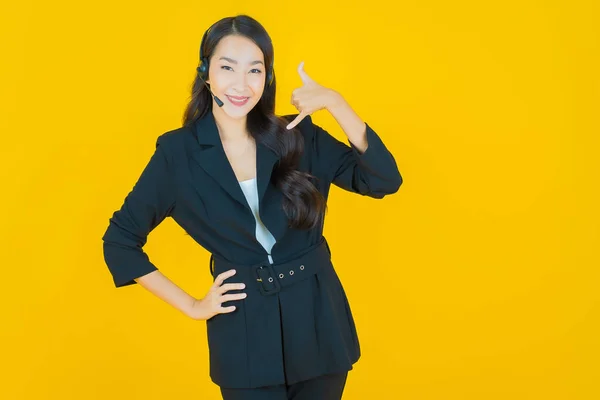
(303,75)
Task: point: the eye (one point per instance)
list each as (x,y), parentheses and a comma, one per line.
(258,71)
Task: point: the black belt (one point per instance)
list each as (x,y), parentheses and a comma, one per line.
(270,278)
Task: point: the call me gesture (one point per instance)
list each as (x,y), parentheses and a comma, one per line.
(312,97)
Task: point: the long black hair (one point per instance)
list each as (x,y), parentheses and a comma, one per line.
(303,204)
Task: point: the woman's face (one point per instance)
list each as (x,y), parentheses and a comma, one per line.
(237,69)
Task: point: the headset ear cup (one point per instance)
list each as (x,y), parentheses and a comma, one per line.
(203,68)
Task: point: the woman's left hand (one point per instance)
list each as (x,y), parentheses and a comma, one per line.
(310,97)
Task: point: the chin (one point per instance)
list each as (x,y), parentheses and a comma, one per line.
(237,112)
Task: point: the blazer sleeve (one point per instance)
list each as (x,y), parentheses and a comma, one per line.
(149,202)
(373,173)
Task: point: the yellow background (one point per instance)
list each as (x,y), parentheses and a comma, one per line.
(477,280)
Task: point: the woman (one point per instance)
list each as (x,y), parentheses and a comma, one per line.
(251,188)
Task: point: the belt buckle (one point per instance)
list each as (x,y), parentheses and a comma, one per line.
(272,279)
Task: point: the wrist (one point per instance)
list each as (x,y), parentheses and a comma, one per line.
(335,99)
(192,309)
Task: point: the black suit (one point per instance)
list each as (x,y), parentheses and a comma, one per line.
(190,179)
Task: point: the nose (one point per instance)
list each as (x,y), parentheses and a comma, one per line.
(241,82)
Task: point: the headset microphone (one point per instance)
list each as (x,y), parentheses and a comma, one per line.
(219,102)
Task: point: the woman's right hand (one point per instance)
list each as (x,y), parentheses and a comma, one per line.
(210,305)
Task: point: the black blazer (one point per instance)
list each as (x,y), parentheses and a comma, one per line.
(189,179)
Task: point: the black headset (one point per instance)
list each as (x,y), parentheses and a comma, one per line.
(203,68)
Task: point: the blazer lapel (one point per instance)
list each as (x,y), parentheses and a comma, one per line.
(211,157)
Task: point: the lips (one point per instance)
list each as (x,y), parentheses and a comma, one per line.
(237,100)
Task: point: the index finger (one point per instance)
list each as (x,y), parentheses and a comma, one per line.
(222,276)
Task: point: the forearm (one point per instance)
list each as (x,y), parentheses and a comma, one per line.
(352,125)
(164,288)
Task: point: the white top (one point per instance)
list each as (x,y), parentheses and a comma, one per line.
(263,235)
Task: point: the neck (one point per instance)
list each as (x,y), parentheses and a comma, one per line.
(230,129)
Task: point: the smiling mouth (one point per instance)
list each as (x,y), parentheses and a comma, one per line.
(237,101)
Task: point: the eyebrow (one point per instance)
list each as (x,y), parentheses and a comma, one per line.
(231,60)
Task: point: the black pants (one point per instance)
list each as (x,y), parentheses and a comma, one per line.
(324,387)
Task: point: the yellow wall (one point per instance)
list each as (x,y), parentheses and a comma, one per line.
(477,280)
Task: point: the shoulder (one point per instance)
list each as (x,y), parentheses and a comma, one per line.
(175,140)
(175,136)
